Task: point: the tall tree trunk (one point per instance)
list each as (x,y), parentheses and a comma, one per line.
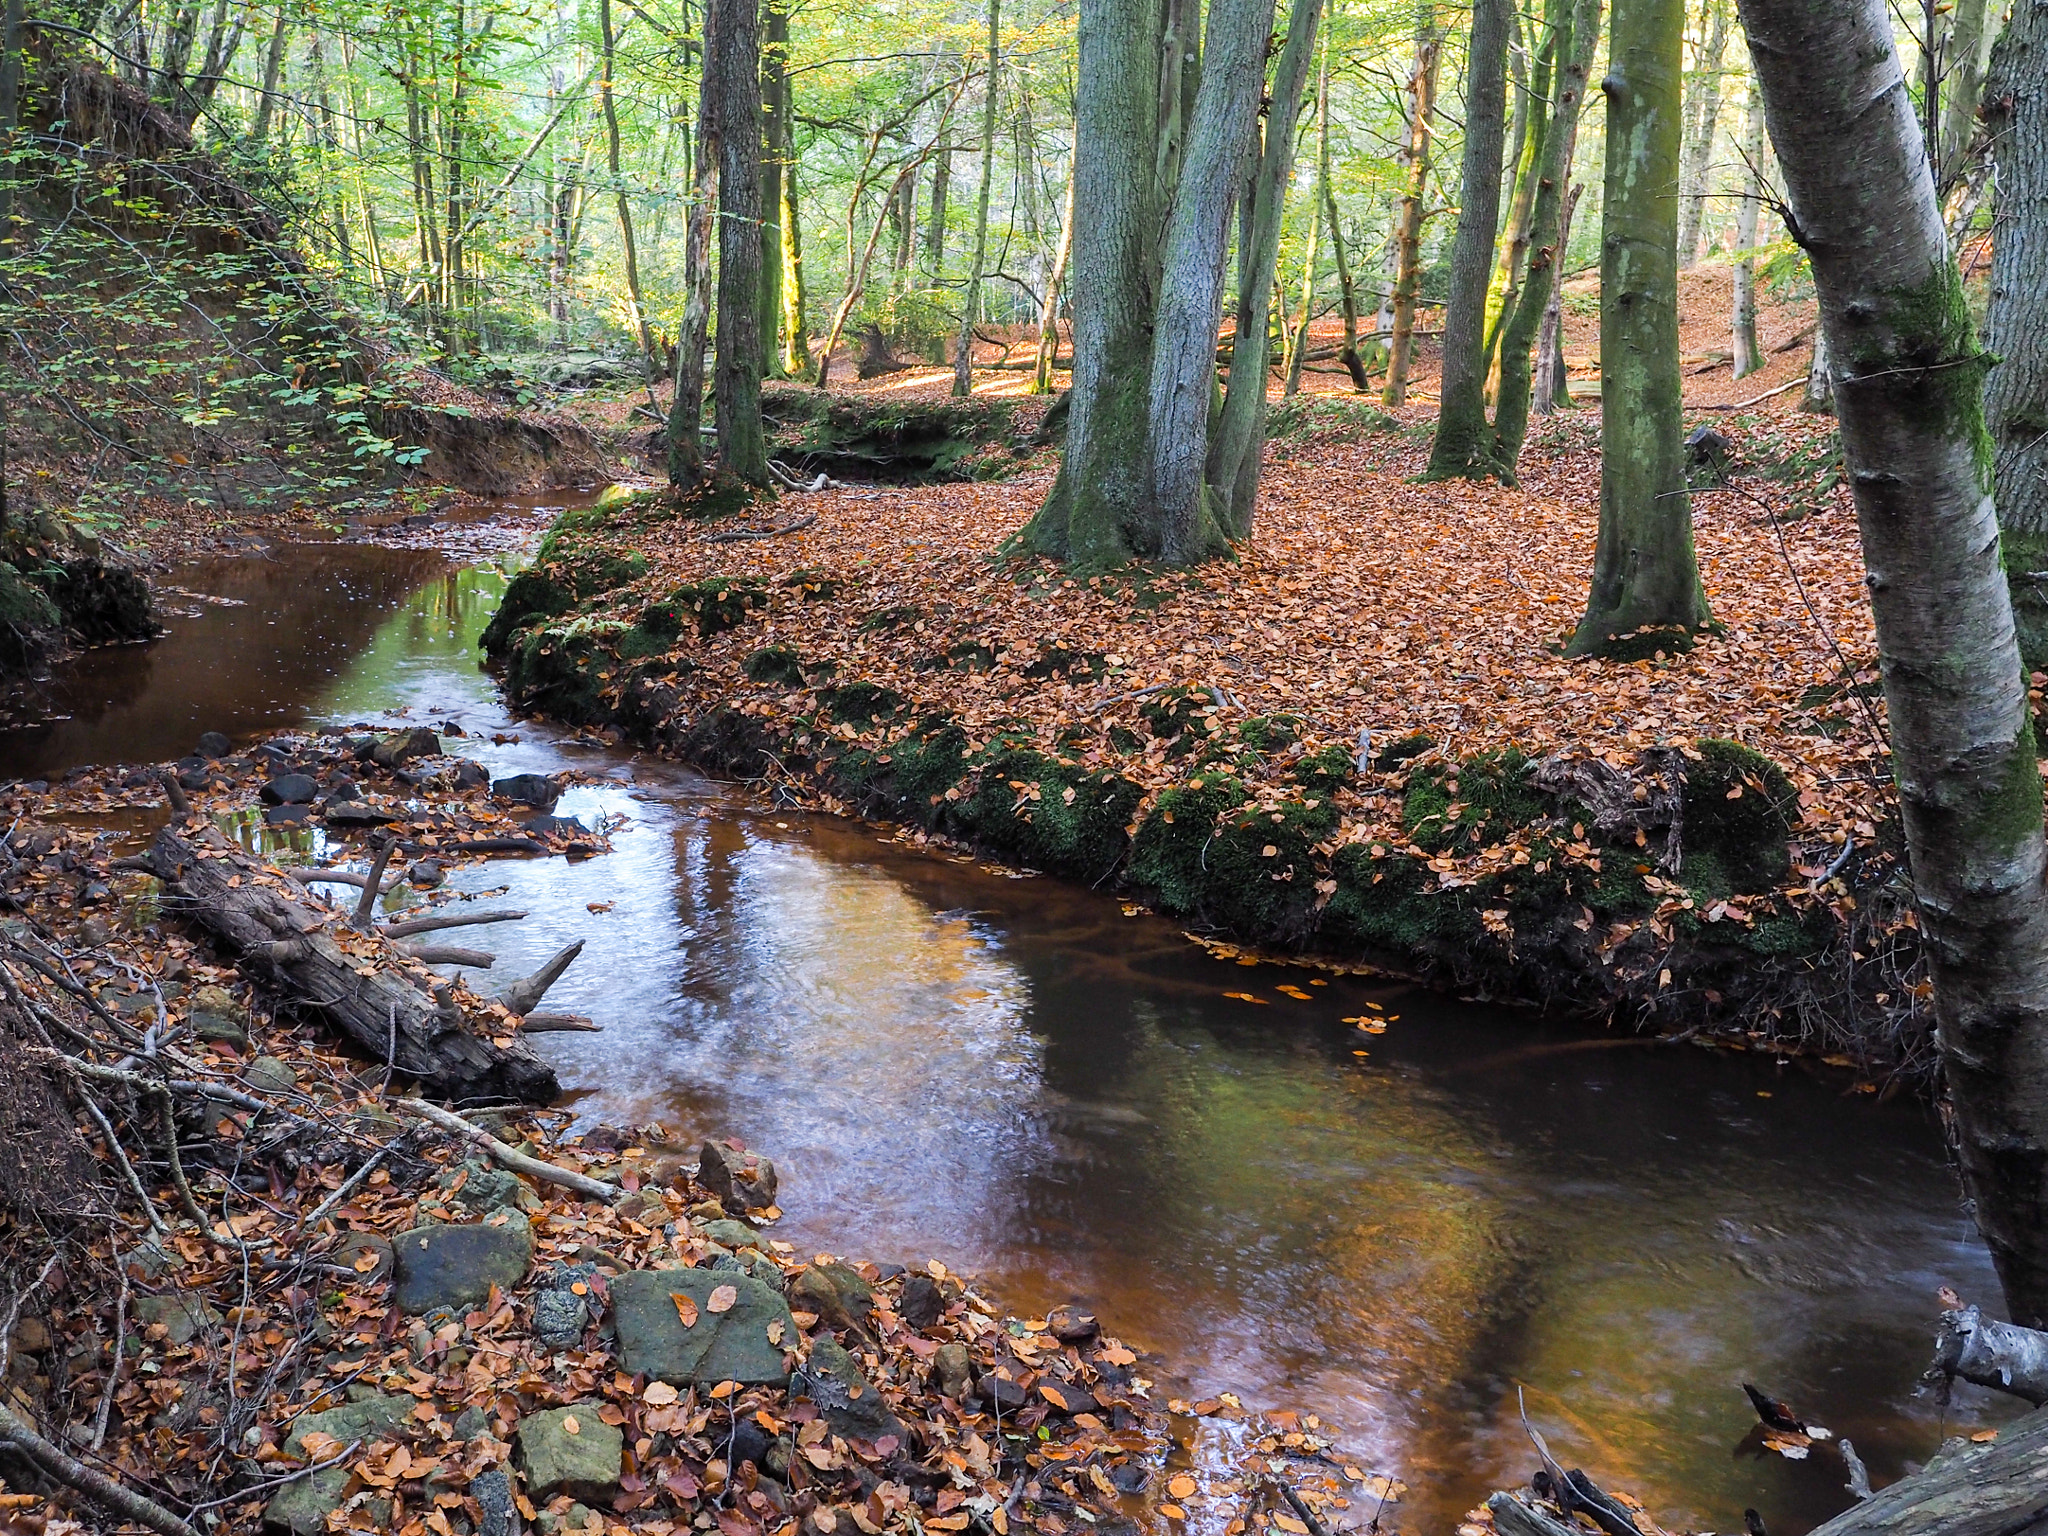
(1095,514)
(1232,469)
(686,409)
(1819,394)
(13,17)
(455,174)
(775,166)
(1553,382)
(2016,395)
(1646,581)
(935,231)
(273,71)
(1973,30)
(1748,355)
(1577,35)
(1414,161)
(796,336)
(963,360)
(734,62)
(1190,307)
(1463,444)
(1523,172)
(328,151)
(1297,338)
(1702,116)
(1049,309)
(903,224)
(1347,283)
(635,303)
(1919,462)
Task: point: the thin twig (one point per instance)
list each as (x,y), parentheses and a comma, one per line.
(99,1428)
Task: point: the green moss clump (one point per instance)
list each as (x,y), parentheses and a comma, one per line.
(1270,733)
(636,644)
(890,618)
(1325,771)
(930,760)
(1388,904)
(861,704)
(713,606)
(1463,807)
(895,441)
(1404,750)
(28,620)
(1186,717)
(1049,812)
(813,586)
(533,594)
(560,670)
(1170,854)
(1058,661)
(1739,809)
(774,664)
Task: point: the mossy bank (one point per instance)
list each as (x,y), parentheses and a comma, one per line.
(1657,888)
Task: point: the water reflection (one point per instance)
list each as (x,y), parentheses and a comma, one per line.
(1014,1077)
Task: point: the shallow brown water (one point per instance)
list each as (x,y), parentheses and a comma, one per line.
(1015,1077)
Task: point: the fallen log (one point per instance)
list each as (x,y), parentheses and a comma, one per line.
(508,1157)
(448,954)
(1988,1353)
(287,944)
(521,996)
(1999,1489)
(406,927)
(558,1024)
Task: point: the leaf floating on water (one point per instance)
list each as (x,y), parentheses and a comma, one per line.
(1182,1487)
(686,1308)
(1246,997)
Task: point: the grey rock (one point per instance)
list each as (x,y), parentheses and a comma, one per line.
(302,1508)
(355,1247)
(470,1423)
(559,1314)
(289,789)
(849,1401)
(457,1266)
(471,774)
(922,1303)
(730,1346)
(214,745)
(488,1189)
(266,1074)
(535,789)
(218,1028)
(401,747)
(571,1450)
(742,1180)
(287,815)
(953,1369)
(379,1417)
(492,1491)
(733,1234)
(353,814)
(183,1315)
(836,1293)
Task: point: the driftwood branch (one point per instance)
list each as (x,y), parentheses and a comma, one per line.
(1982,1350)
(405,928)
(523,995)
(286,943)
(518,1162)
(1999,1489)
(448,954)
(75,1474)
(558,1024)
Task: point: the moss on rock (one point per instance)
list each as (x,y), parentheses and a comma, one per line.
(1739,812)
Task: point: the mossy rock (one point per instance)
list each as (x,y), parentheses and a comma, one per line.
(1391,904)
(1058,661)
(774,664)
(1324,771)
(1270,733)
(813,586)
(970,656)
(532,594)
(98,604)
(28,620)
(1462,807)
(897,617)
(1262,867)
(1050,813)
(1403,750)
(1739,813)
(566,575)
(860,704)
(930,760)
(559,670)
(1169,856)
(712,606)
(889,440)
(721,494)
(636,644)
(1186,717)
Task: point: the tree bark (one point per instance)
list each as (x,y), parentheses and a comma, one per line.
(1973,29)
(734,63)
(1297,340)
(1232,468)
(2016,392)
(273,71)
(1909,397)
(1578,36)
(1049,309)
(1463,446)
(1533,91)
(1414,160)
(686,409)
(1966,1490)
(775,167)
(963,361)
(1646,590)
(1094,517)
(607,87)
(1702,117)
(283,942)
(1819,394)
(796,335)
(935,230)
(1553,382)
(1748,355)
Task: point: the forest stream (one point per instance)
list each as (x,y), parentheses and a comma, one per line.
(1021,1078)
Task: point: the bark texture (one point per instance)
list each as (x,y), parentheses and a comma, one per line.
(1747,354)
(963,360)
(686,409)
(734,64)
(1414,159)
(2016,392)
(1646,579)
(1908,392)
(1702,118)
(2000,1489)
(1464,445)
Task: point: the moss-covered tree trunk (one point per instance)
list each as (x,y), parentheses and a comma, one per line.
(1414,157)
(2016,394)
(795,333)
(686,410)
(775,167)
(1747,354)
(1646,585)
(734,61)
(1095,514)
(1464,444)
(1909,377)
(1577,36)
(1553,380)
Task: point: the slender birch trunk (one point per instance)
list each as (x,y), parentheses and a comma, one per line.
(1748,355)
(686,409)
(1414,159)
(1702,117)
(636,304)
(1297,340)
(1049,310)
(775,168)
(1347,287)
(1646,590)
(1909,395)
(796,335)
(963,361)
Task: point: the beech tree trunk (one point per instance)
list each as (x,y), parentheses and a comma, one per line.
(2016,392)
(273,72)
(1463,446)
(1049,309)
(1909,396)
(1819,394)
(1748,355)
(1702,117)
(1553,382)
(796,335)
(963,360)
(935,231)
(1347,290)
(1297,336)
(1646,592)
(634,301)
(686,410)
(1973,29)
(733,60)
(775,168)
(1578,35)
(1414,160)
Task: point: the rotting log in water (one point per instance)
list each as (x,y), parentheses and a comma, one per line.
(285,943)
(1999,1489)
(405,928)
(1982,1350)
